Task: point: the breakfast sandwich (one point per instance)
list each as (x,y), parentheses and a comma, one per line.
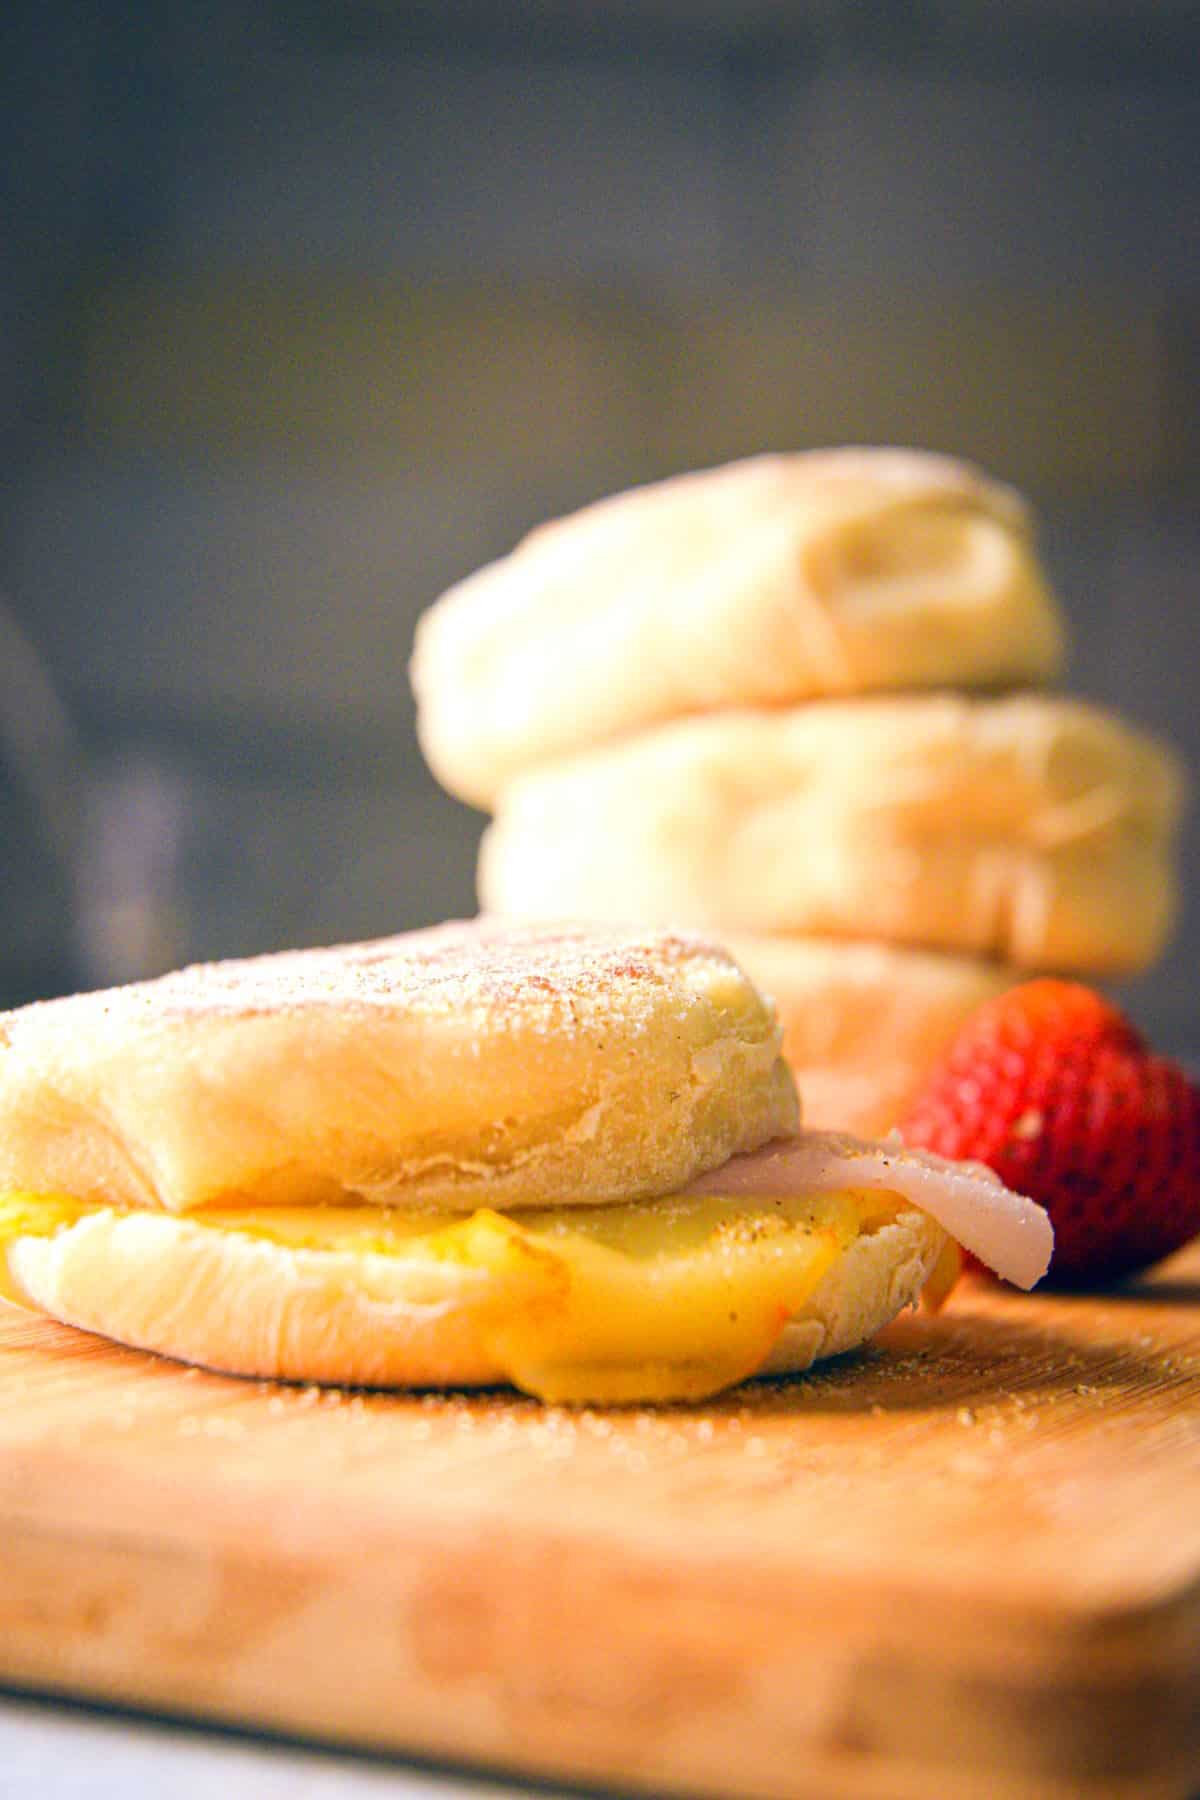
(566,1158)
(762,583)
(1032,829)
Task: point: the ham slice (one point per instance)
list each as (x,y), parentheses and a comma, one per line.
(1011,1234)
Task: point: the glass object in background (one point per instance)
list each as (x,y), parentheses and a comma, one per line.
(40,794)
(133,902)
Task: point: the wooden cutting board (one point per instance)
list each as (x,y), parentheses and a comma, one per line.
(965,1562)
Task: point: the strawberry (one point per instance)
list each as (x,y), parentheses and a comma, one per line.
(1051,1086)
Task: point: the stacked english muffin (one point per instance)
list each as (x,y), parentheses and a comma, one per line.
(798,702)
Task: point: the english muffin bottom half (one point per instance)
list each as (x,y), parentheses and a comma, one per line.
(464,1156)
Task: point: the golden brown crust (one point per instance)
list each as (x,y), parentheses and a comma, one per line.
(1032,829)
(772,580)
(462,1066)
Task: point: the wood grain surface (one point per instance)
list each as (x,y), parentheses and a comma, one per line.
(966,1560)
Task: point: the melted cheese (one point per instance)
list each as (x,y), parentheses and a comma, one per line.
(664,1300)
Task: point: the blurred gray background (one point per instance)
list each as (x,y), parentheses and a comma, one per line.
(307,309)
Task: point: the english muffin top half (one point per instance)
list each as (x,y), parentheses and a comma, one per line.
(774,580)
(462,1066)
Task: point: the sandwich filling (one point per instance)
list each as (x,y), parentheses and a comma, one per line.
(667,1299)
